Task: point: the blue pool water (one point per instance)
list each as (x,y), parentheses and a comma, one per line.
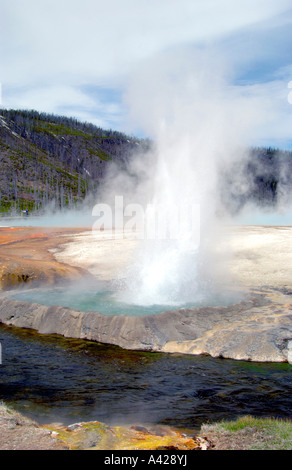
(103,300)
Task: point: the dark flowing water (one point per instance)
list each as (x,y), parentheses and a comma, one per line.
(54,379)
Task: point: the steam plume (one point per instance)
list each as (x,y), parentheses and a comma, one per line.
(199,123)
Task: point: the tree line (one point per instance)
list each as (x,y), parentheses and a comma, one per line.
(58,161)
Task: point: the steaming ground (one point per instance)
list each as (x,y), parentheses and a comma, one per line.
(262,256)
(256,256)
(256,260)
(101,254)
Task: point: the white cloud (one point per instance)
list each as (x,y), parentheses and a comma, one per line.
(50,50)
(65,100)
(96,40)
(271,101)
(49,98)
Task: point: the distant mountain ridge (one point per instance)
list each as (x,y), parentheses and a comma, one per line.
(57,161)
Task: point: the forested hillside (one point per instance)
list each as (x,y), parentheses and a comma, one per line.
(56,161)
(47,159)
(263,177)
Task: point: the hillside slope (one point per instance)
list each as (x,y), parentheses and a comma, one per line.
(56,161)
(47,159)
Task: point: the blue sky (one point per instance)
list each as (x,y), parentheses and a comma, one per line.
(79,58)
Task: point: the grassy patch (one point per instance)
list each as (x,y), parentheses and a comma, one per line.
(99,153)
(57,129)
(250,433)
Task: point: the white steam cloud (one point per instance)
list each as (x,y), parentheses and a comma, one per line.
(199,124)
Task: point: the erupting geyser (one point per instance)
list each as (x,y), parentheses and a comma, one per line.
(198,124)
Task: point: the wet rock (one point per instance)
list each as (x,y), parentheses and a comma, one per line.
(99,436)
(258,329)
(71,427)
(140,429)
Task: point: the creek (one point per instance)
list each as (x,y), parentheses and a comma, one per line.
(54,379)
